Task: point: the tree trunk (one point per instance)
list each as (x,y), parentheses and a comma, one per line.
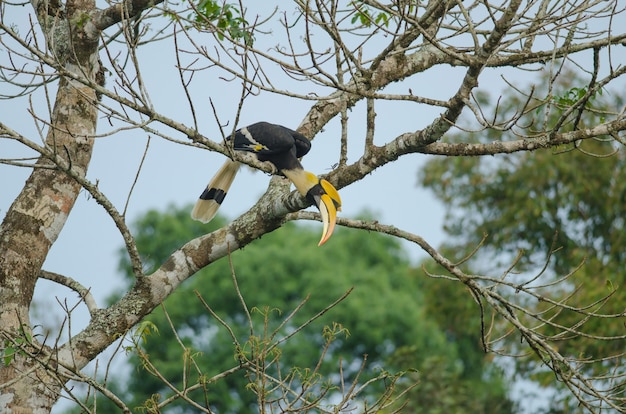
(38,214)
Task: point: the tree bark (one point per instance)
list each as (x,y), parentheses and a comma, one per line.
(38,214)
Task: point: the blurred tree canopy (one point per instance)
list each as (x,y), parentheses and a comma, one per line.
(552,209)
(393,315)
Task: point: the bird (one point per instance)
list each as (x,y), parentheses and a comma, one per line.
(282,147)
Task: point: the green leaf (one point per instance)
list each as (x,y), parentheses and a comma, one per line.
(8,355)
(226,18)
(144,329)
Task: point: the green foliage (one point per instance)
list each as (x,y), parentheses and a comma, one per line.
(226,18)
(442,390)
(534,201)
(279,272)
(469,383)
(14,347)
(567,202)
(386,312)
(570,97)
(364,15)
(143,331)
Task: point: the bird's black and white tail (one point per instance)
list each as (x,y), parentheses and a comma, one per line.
(211,198)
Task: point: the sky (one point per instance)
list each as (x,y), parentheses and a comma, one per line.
(88,247)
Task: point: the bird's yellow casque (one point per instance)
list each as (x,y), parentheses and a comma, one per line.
(282,147)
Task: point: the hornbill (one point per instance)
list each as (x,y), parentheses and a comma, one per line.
(282,147)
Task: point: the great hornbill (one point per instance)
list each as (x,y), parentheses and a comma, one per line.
(282,147)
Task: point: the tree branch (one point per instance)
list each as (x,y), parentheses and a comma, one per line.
(124,10)
(83,292)
(542,141)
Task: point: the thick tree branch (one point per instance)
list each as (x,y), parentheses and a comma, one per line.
(125,9)
(148,292)
(543,141)
(391,65)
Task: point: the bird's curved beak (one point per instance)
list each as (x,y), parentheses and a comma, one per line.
(328,202)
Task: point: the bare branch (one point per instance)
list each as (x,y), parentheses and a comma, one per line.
(83,292)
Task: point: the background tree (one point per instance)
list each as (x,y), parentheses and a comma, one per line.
(361,56)
(269,275)
(568,202)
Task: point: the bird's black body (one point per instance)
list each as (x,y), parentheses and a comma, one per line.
(274,143)
(282,147)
